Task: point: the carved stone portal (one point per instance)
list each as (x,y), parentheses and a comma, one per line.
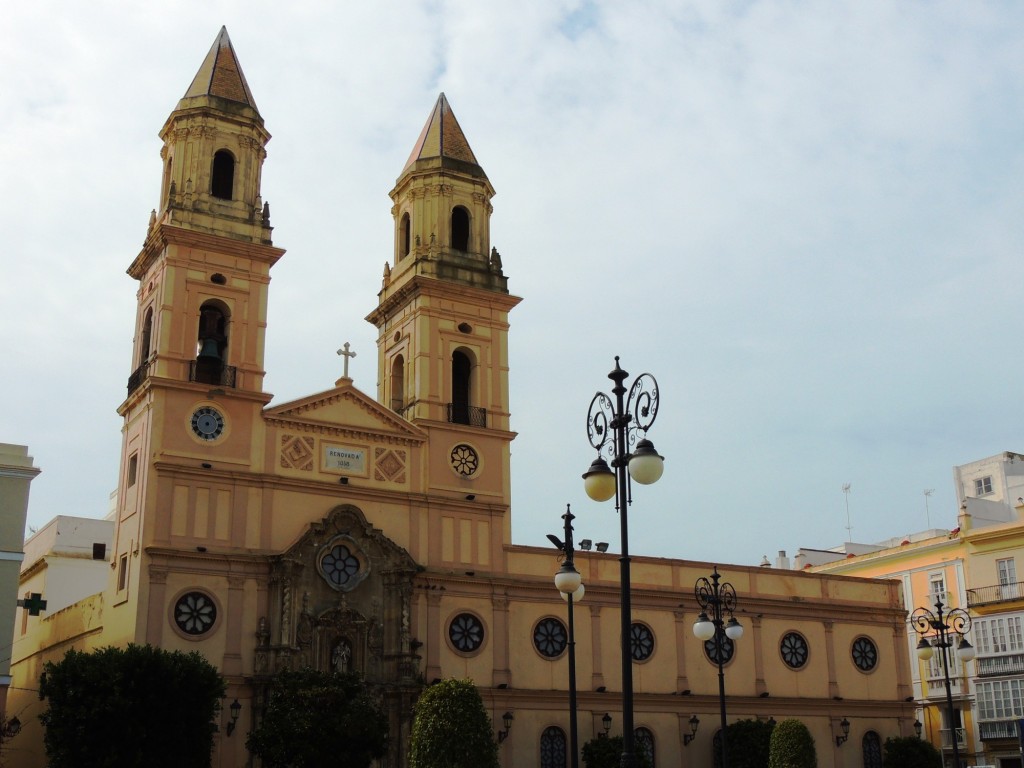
(339,600)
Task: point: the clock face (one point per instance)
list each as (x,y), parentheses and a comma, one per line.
(207,423)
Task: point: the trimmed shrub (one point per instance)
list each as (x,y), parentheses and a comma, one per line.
(792,746)
(452,729)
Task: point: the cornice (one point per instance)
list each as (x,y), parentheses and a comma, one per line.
(419,285)
(164,235)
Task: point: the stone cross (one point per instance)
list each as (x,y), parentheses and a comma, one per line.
(346,353)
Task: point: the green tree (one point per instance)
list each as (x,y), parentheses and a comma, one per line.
(792,746)
(749,743)
(319,718)
(606,752)
(451,728)
(910,752)
(130,706)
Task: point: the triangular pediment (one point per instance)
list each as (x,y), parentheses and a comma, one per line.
(344,410)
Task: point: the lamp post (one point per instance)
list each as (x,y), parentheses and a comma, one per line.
(570,585)
(940,627)
(612,428)
(718,599)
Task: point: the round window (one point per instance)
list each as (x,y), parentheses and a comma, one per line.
(195,613)
(793,648)
(641,642)
(865,654)
(711,649)
(465,460)
(466,633)
(339,565)
(550,638)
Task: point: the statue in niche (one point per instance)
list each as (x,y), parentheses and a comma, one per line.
(341,655)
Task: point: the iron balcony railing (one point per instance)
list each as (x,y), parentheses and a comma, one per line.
(1012,664)
(459,413)
(997,593)
(937,681)
(998,729)
(206,374)
(947,743)
(138,376)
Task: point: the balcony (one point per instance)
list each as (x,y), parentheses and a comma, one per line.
(998,729)
(997,593)
(947,742)
(207,373)
(1012,664)
(937,682)
(460,413)
(138,376)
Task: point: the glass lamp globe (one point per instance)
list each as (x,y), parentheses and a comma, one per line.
(703,627)
(733,629)
(645,465)
(965,650)
(576,596)
(568,579)
(599,480)
(924,650)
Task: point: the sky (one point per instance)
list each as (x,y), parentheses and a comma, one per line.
(804,219)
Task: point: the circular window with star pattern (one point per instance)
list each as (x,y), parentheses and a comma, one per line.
(465,460)
(864,653)
(466,633)
(793,648)
(641,642)
(194,614)
(711,649)
(550,638)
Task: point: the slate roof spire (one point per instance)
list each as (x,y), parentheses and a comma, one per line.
(442,138)
(221,75)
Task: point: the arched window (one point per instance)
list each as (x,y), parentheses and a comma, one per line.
(223,182)
(553,748)
(461,368)
(147,337)
(211,343)
(397,383)
(460,228)
(645,744)
(405,235)
(871,746)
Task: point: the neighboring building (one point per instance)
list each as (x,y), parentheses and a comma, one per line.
(67,560)
(373,534)
(16,474)
(972,567)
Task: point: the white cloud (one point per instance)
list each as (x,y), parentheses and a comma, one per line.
(803,218)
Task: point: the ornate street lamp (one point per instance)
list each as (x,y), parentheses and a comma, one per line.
(718,599)
(612,428)
(940,627)
(570,586)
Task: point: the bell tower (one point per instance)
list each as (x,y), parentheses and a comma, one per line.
(205,265)
(195,394)
(442,313)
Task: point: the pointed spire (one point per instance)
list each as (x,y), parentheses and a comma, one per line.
(441,137)
(221,75)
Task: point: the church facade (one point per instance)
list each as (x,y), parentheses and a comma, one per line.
(372,533)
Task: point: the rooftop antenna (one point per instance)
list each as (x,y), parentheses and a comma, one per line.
(927,513)
(849,528)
